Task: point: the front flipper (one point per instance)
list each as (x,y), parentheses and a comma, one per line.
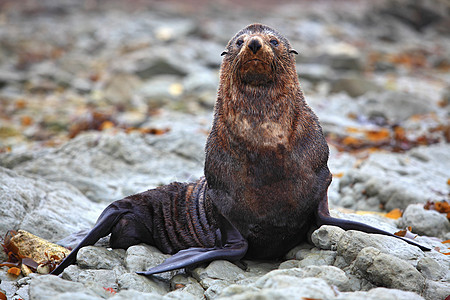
(109,217)
(232,246)
(323,218)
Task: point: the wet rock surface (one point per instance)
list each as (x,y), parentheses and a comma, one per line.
(100,100)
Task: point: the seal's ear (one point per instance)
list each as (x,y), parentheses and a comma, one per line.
(293,51)
(225,52)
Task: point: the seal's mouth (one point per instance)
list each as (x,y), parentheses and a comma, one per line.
(255,71)
(255,61)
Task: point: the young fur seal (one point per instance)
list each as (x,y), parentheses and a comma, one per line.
(266,174)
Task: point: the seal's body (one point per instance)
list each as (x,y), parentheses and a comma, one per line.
(266,156)
(266,174)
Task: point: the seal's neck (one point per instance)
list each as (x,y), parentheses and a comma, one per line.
(259,117)
(265,101)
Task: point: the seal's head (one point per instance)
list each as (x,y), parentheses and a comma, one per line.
(258,56)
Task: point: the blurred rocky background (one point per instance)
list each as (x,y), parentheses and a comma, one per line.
(102,99)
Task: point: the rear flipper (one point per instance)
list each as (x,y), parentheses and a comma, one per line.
(231,246)
(109,217)
(323,218)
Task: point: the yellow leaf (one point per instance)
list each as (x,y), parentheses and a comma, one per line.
(14,271)
(338,175)
(394,214)
(106,125)
(377,135)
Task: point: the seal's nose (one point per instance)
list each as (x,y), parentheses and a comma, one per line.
(254,45)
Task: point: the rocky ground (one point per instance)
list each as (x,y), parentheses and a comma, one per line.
(102,99)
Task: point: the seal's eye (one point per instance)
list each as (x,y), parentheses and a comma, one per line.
(239,42)
(274,42)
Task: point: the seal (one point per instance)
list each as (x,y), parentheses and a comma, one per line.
(266,174)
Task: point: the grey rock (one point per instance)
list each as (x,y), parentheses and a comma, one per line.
(200,81)
(40,207)
(22,293)
(161,91)
(215,288)
(48,286)
(356,281)
(447,236)
(50,71)
(303,253)
(340,262)
(332,275)
(133,294)
(133,281)
(120,164)
(9,160)
(142,257)
(433,270)
(342,56)
(42,85)
(206,99)
(389,271)
(395,106)
(318,258)
(314,72)
(380,294)
(442,260)
(186,284)
(289,264)
(327,237)
(74,295)
(326,107)
(425,222)
(384,66)
(120,88)
(289,287)
(259,268)
(8,287)
(219,269)
(208,52)
(236,290)
(147,68)
(345,62)
(295,272)
(182,295)
(72,63)
(436,290)
(91,257)
(354,86)
(10,77)
(71,273)
(16,288)
(417,15)
(303,248)
(397,180)
(352,242)
(83,85)
(176,29)
(105,278)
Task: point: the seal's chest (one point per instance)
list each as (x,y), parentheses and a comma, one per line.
(259,133)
